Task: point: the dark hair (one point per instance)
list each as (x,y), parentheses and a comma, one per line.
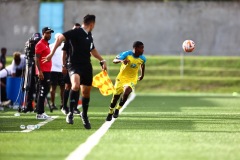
(89,19)
(137,44)
(3,48)
(77,24)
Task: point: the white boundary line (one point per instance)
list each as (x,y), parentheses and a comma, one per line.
(85,148)
(39,124)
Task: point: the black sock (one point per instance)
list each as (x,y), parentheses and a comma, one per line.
(73,99)
(75,107)
(65,98)
(85,103)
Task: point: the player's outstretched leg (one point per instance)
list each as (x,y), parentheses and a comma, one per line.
(124,98)
(112,106)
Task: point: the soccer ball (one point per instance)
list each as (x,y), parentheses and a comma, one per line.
(188,45)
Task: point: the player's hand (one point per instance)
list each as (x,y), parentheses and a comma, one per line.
(140,78)
(64,70)
(40,75)
(47,58)
(104,66)
(125,61)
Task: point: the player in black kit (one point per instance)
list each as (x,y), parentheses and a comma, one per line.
(80,67)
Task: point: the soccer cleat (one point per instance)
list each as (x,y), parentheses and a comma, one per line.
(85,121)
(43,116)
(65,111)
(116,112)
(76,111)
(109,117)
(69,118)
(27,110)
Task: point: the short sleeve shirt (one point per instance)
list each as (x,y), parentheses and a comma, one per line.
(20,66)
(81,44)
(42,48)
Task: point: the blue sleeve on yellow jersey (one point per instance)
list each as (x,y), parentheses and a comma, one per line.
(123,55)
(143,58)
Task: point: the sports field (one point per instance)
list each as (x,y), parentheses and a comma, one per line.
(153,126)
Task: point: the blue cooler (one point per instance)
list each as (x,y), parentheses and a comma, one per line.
(14,89)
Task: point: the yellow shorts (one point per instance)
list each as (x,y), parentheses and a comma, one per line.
(119,86)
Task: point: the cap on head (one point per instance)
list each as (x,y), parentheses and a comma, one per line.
(47,29)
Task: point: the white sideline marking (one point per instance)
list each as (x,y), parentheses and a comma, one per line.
(85,148)
(39,124)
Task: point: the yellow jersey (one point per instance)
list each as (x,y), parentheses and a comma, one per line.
(129,72)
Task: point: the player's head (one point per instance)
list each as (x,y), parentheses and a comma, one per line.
(76,25)
(89,20)
(3,51)
(138,48)
(17,58)
(46,32)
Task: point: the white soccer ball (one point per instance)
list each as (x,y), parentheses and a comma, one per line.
(188,46)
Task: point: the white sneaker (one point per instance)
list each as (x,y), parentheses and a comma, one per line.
(43,116)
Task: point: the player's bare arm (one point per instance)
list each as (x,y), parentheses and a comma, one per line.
(40,75)
(64,69)
(95,54)
(125,61)
(142,70)
(59,40)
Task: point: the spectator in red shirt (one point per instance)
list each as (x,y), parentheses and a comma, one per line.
(43,70)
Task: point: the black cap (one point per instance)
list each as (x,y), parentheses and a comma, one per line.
(45,29)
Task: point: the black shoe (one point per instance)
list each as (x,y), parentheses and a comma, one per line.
(76,111)
(27,110)
(69,118)
(65,110)
(53,107)
(116,112)
(85,121)
(109,117)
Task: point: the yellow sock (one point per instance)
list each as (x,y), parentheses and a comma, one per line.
(118,107)
(111,110)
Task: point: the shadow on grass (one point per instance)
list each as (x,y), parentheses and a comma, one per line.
(175,103)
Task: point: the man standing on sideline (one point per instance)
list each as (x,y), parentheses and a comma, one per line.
(43,70)
(80,67)
(65,61)
(3,57)
(56,74)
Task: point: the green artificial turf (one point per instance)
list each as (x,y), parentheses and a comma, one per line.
(153,126)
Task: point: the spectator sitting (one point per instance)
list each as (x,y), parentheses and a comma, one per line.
(16,69)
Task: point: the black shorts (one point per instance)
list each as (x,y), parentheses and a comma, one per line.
(57,78)
(84,71)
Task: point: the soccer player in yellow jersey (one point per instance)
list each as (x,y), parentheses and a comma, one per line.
(127,78)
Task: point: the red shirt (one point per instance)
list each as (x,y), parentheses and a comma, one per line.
(42,49)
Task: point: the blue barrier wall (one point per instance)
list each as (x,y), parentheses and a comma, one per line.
(51,15)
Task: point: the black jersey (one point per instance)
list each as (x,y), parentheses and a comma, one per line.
(81,44)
